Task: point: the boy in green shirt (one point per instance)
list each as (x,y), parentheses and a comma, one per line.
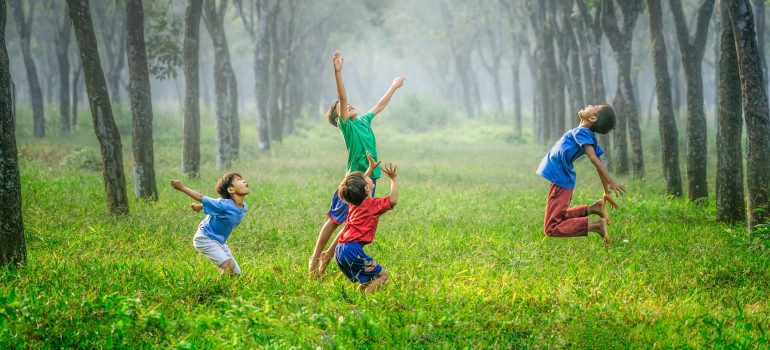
(359,140)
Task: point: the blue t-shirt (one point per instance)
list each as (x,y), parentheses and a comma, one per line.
(223,216)
(557,164)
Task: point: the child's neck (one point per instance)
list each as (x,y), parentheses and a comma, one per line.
(585,124)
(238,200)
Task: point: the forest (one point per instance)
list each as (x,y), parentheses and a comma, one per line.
(110,108)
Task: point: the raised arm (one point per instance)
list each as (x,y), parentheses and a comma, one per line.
(607,182)
(342,106)
(372,165)
(390,170)
(190,192)
(397,83)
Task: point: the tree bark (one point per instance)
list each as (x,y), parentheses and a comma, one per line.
(191,127)
(23,25)
(755,112)
(731,205)
(62,54)
(262,74)
(692,49)
(101,108)
(141,103)
(76,84)
(13,249)
(273,103)
(667,123)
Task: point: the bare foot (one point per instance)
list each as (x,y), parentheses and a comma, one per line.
(602,230)
(600,208)
(325,259)
(313,267)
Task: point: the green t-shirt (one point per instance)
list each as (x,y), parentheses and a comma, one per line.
(359,139)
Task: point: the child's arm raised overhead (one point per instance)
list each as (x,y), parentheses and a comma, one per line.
(607,182)
(397,83)
(190,192)
(342,105)
(372,165)
(390,170)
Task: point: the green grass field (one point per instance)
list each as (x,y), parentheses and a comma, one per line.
(470,267)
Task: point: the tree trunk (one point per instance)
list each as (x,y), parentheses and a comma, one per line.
(13,250)
(76,84)
(141,103)
(101,108)
(262,74)
(759,19)
(516,94)
(276,122)
(731,205)
(667,123)
(191,153)
(23,25)
(755,112)
(213,20)
(692,49)
(62,53)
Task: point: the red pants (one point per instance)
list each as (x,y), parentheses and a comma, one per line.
(560,219)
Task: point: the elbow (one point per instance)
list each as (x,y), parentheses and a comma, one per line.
(393,201)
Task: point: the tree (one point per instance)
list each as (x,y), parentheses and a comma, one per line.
(224,84)
(755,111)
(491,37)
(141,103)
(692,49)
(101,108)
(667,123)
(62,41)
(13,250)
(731,206)
(621,42)
(191,153)
(24,25)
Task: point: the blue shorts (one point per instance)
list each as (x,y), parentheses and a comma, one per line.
(354,263)
(338,211)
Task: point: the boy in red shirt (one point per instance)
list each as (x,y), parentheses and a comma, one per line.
(361,224)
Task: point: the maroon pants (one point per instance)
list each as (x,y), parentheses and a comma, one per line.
(560,219)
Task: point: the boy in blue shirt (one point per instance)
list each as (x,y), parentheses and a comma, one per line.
(222,216)
(556,167)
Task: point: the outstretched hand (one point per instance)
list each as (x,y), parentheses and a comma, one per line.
(338,60)
(608,199)
(390,170)
(176,184)
(398,81)
(372,164)
(618,189)
(196,207)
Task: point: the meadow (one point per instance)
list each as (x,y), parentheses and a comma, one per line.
(470,266)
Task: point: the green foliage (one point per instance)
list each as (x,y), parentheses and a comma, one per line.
(470,266)
(163,38)
(83,159)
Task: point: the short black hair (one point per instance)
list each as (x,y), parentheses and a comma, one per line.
(224,183)
(605,119)
(353,188)
(332,114)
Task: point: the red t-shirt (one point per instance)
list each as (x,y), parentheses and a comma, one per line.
(361,223)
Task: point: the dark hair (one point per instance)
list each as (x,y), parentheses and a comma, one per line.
(605,119)
(353,188)
(224,183)
(332,114)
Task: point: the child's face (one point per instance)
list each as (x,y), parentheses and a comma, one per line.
(352,112)
(589,113)
(369,186)
(239,187)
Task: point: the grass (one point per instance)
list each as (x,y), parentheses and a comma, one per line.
(470,266)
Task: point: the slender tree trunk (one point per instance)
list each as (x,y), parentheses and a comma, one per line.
(141,103)
(221,83)
(755,112)
(101,108)
(692,50)
(731,205)
(24,24)
(191,124)
(13,250)
(516,93)
(276,122)
(76,84)
(759,19)
(62,53)
(262,74)
(667,123)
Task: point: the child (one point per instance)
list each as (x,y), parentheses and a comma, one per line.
(357,189)
(359,139)
(223,215)
(560,220)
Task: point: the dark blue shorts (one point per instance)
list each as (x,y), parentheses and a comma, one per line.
(354,263)
(338,211)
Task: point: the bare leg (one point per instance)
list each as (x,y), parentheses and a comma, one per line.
(600,227)
(375,283)
(326,257)
(323,237)
(599,208)
(227,267)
